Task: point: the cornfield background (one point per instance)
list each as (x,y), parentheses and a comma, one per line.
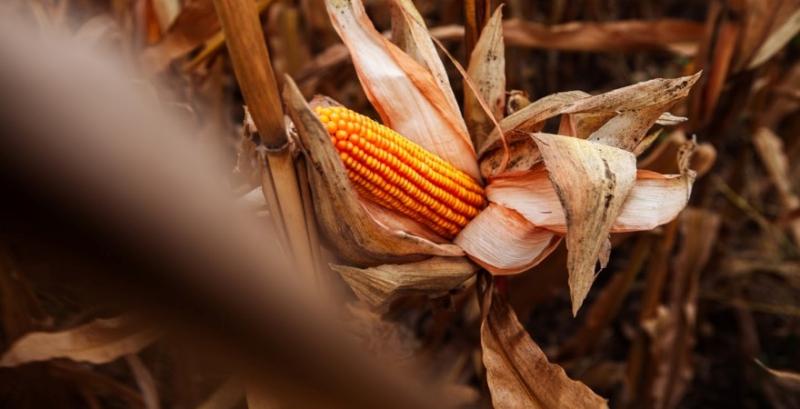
(139,269)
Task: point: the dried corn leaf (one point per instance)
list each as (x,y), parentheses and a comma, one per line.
(410,33)
(679,36)
(145,381)
(98,342)
(380,286)
(771,151)
(756,20)
(777,40)
(405,93)
(788,379)
(503,242)
(196,22)
(672,348)
(487,68)
(655,199)
(517,370)
(655,92)
(358,237)
(592,182)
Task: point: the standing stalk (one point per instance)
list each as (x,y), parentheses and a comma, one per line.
(251,63)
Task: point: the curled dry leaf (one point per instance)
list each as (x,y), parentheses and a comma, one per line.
(487,68)
(405,93)
(517,370)
(359,238)
(619,118)
(531,117)
(98,342)
(592,182)
(503,242)
(380,286)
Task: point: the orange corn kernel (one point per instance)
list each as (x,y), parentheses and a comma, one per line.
(398,174)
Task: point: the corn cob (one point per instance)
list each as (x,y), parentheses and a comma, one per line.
(398,174)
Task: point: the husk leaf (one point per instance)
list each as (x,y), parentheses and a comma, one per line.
(503,242)
(590,113)
(410,34)
(592,182)
(380,286)
(405,93)
(655,199)
(487,68)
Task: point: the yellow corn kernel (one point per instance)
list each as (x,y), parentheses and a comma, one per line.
(398,174)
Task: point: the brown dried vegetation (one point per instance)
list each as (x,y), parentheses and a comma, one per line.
(179,231)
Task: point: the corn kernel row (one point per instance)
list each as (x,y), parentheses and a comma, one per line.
(399,174)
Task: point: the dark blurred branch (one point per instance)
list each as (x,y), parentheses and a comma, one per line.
(119,197)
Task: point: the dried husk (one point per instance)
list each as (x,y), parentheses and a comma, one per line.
(655,199)
(405,93)
(592,182)
(357,236)
(777,40)
(527,119)
(410,34)
(518,372)
(503,242)
(380,286)
(637,104)
(487,68)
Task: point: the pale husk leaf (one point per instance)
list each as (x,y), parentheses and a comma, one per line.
(503,242)
(405,93)
(410,34)
(357,236)
(379,286)
(655,199)
(518,372)
(98,342)
(592,182)
(487,68)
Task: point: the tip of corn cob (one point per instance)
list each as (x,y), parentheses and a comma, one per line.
(396,173)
